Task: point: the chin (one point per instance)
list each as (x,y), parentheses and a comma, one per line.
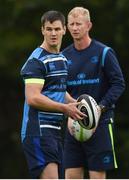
(76,37)
(54,45)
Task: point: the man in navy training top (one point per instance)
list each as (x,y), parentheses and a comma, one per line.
(94,70)
(45,76)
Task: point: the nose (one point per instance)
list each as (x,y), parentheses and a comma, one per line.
(53,32)
(74,27)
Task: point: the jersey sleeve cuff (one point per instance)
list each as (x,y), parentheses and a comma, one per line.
(34,80)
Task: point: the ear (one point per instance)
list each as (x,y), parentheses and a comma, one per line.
(42,30)
(89,25)
(68,26)
(64,30)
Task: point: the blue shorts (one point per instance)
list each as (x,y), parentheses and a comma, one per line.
(41,150)
(96,154)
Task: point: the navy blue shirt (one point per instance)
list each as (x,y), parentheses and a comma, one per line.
(50,70)
(96,72)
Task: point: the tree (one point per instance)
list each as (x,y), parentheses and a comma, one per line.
(20,34)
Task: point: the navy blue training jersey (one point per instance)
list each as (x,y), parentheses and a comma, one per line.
(51,71)
(95,72)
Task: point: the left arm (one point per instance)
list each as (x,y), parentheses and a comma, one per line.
(115,78)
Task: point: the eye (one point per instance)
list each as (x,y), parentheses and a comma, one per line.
(78,24)
(49,29)
(57,29)
(71,24)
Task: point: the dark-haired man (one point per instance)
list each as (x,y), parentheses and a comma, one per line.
(45,75)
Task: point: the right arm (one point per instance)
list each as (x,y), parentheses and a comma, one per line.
(36,99)
(69,98)
(33,73)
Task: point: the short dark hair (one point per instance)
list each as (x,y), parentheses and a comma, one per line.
(52,16)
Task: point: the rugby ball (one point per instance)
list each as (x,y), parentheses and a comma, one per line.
(78,132)
(88,106)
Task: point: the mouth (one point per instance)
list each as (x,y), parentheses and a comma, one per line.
(75,34)
(53,39)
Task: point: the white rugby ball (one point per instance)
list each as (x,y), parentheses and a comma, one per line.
(88,106)
(78,132)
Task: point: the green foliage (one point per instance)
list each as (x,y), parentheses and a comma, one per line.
(20,34)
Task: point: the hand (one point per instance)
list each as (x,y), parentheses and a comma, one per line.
(99,111)
(73,112)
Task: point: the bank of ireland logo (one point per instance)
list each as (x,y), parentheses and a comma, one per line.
(94,59)
(106,159)
(81,76)
(63,80)
(69,61)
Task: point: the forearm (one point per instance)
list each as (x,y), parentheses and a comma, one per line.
(36,99)
(44,103)
(69,98)
(116,82)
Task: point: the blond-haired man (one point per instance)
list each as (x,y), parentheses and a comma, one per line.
(93,69)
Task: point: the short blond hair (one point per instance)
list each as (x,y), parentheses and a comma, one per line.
(80,11)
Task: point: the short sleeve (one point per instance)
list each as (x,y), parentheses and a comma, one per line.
(33,68)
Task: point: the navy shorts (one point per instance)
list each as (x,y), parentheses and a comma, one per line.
(41,150)
(96,154)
